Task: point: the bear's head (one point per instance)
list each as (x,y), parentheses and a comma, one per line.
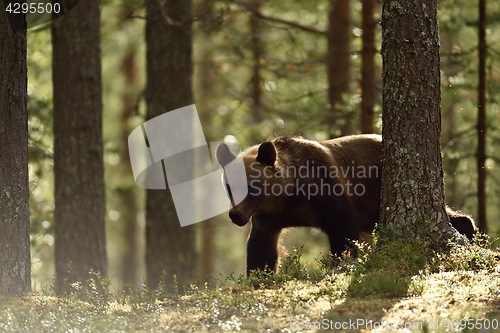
(262,173)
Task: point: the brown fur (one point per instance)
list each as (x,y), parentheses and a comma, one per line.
(462,222)
(341,217)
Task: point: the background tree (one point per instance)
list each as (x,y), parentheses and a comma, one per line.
(257,51)
(339,60)
(481,120)
(368,67)
(412,188)
(126,190)
(15,259)
(459,23)
(169,247)
(78,151)
(206,105)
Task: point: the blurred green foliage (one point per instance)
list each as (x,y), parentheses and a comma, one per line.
(294,87)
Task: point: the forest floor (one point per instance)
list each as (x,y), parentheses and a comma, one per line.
(448,301)
(462,295)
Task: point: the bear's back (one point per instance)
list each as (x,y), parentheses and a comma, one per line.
(359,157)
(364,149)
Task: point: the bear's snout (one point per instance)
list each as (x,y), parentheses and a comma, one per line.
(237,218)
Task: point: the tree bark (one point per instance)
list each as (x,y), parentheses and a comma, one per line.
(129,265)
(80,242)
(368,67)
(169,247)
(339,61)
(205,105)
(127,192)
(481,121)
(256,42)
(412,188)
(15,259)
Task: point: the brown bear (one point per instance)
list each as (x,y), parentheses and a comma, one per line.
(332,185)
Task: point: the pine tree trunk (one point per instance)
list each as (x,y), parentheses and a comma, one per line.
(127,191)
(256,42)
(481,121)
(129,265)
(450,166)
(412,188)
(368,67)
(205,105)
(339,61)
(15,259)
(169,247)
(449,128)
(80,242)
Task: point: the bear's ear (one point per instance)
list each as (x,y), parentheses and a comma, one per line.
(224,155)
(267,153)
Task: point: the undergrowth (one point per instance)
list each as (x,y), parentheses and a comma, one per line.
(395,270)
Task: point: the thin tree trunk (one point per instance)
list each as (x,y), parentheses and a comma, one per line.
(80,242)
(449,128)
(451,165)
(412,189)
(339,60)
(129,265)
(127,192)
(207,244)
(15,259)
(481,121)
(368,67)
(256,42)
(169,247)
(205,105)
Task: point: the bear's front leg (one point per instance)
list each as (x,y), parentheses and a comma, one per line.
(340,239)
(262,249)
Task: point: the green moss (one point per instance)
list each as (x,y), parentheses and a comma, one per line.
(383,284)
(399,257)
(396,268)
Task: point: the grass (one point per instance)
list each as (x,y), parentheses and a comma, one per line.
(344,293)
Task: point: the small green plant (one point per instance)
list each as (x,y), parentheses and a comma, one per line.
(176,284)
(97,291)
(469,257)
(292,268)
(69,291)
(482,240)
(326,262)
(161,291)
(262,279)
(143,298)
